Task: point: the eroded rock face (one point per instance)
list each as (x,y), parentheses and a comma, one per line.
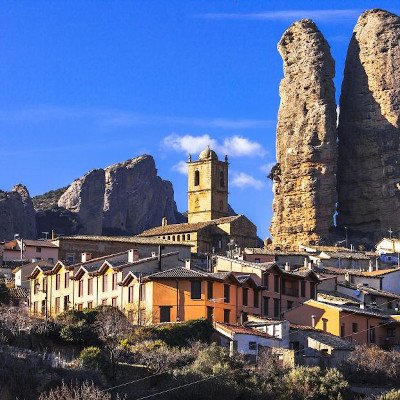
(17,214)
(369,135)
(304,179)
(125,198)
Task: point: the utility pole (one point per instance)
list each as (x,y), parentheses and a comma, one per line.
(347,244)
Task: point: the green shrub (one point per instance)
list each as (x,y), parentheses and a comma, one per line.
(392,395)
(91,358)
(181,334)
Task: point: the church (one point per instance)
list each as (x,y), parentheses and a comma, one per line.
(210,227)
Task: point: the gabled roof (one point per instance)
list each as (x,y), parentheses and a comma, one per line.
(370,290)
(178,273)
(186,227)
(40,268)
(241,330)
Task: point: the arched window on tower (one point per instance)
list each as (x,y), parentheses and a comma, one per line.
(221,179)
(196,178)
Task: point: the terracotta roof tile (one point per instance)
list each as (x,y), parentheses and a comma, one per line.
(241,330)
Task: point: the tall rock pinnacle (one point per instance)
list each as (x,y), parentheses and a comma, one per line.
(306,149)
(369,134)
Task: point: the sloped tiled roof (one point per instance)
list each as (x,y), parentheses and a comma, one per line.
(178,273)
(370,290)
(241,330)
(184,228)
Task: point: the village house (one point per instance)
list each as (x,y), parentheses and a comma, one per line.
(283,289)
(182,294)
(355,324)
(261,255)
(90,283)
(71,247)
(18,251)
(389,250)
(23,272)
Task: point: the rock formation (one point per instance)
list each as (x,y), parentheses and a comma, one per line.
(125,198)
(369,134)
(304,178)
(17,214)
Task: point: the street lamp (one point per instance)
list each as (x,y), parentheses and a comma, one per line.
(37,289)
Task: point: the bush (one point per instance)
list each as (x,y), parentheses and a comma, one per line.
(312,383)
(392,395)
(181,334)
(86,391)
(91,358)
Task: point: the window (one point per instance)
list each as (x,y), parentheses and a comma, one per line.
(80,288)
(245,292)
(266,280)
(221,179)
(90,305)
(90,286)
(227,316)
(142,289)
(196,178)
(372,335)
(114,302)
(44,284)
(188,236)
(303,288)
(312,290)
(210,313)
(277,308)
(57,305)
(173,238)
(391,332)
(58,279)
(165,314)
(342,331)
(253,346)
(114,281)
(178,238)
(130,294)
(276,283)
(227,293)
(38,249)
(195,290)
(390,305)
(209,290)
(70,258)
(289,305)
(66,303)
(36,286)
(354,327)
(44,308)
(265,306)
(324,324)
(256,296)
(66,280)
(104,302)
(105,283)
(257,260)
(221,205)
(80,307)
(35,308)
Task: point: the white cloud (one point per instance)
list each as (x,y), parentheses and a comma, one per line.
(243,180)
(181,167)
(266,168)
(291,15)
(235,146)
(189,143)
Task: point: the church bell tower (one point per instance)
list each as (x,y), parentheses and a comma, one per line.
(207,187)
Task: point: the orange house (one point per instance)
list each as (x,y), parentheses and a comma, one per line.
(358,325)
(182,294)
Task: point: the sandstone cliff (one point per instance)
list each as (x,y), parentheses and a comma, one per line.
(304,178)
(125,198)
(369,135)
(17,214)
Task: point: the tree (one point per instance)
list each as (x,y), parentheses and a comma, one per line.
(112,327)
(86,391)
(91,358)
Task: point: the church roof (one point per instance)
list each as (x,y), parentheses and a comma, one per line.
(208,154)
(185,228)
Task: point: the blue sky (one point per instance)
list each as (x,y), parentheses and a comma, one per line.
(85,84)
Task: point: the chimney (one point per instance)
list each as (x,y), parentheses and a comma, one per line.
(86,257)
(188,263)
(313,321)
(53,234)
(370,266)
(305,263)
(164,221)
(133,255)
(287,267)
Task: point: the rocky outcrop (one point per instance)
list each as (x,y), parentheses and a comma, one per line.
(369,134)
(304,178)
(17,215)
(125,198)
(85,197)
